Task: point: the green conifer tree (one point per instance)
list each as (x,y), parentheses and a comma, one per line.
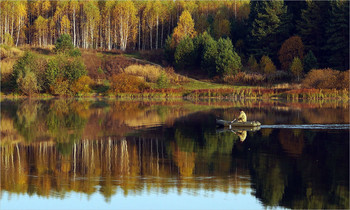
(337,46)
(312,27)
(269,27)
(310,62)
(227,61)
(184,53)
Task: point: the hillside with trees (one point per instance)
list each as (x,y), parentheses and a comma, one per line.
(237,42)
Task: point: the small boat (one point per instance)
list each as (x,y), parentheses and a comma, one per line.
(222,129)
(226,123)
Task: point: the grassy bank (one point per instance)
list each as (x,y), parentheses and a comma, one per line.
(115,74)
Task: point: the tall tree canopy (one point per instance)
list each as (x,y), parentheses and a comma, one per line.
(255,28)
(126,17)
(266,20)
(338,35)
(185,27)
(312,26)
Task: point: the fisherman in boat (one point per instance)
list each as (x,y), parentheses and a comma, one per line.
(241,118)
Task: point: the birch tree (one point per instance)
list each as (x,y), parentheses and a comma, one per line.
(127,22)
(150,18)
(108,13)
(41,29)
(74,7)
(21,15)
(92,18)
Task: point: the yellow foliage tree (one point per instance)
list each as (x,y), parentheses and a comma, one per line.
(267,66)
(21,10)
(296,67)
(185,27)
(41,27)
(150,18)
(65,25)
(127,22)
(92,15)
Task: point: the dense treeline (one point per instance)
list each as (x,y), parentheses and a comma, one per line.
(257,30)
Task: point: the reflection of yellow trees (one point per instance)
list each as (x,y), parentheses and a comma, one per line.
(8,133)
(131,165)
(184,160)
(13,169)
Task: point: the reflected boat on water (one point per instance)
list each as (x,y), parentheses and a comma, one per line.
(56,147)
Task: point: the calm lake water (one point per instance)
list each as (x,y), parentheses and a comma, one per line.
(108,154)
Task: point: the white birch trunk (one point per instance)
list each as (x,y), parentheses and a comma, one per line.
(109,32)
(121,33)
(19,29)
(5,24)
(74,33)
(101,39)
(92,36)
(12,23)
(157,31)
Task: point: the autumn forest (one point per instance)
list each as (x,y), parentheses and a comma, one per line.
(239,42)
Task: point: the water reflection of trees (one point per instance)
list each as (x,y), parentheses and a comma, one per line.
(40,168)
(45,150)
(317,178)
(303,170)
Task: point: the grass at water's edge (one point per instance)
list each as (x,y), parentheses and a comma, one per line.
(212,92)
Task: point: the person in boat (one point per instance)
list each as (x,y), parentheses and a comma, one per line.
(241,118)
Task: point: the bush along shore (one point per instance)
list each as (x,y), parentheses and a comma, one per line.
(66,71)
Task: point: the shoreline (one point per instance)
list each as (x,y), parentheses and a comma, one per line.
(209,94)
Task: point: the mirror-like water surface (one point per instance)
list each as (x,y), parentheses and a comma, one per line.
(106,154)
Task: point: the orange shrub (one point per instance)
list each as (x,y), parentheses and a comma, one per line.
(291,48)
(82,85)
(344,79)
(327,79)
(124,83)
